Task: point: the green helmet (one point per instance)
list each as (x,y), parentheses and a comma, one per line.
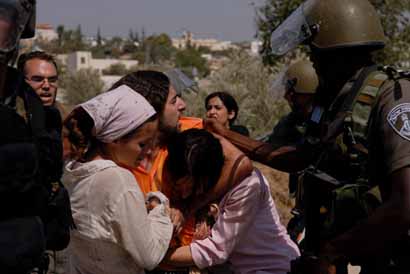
(330,24)
(300,77)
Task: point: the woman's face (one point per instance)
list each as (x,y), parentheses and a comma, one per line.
(131,151)
(216,109)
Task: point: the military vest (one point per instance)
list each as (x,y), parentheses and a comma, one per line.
(343,154)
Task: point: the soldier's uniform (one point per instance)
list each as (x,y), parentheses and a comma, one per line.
(289,131)
(359,135)
(382,147)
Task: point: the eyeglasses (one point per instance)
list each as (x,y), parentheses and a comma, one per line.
(39,79)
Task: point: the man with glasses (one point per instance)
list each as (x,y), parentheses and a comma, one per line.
(40,72)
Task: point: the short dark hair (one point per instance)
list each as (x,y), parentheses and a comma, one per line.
(153,85)
(228,101)
(41,55)
(196,153)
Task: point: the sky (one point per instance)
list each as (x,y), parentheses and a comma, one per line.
(232,20)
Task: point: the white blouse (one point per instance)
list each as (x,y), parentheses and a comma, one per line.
(114,233)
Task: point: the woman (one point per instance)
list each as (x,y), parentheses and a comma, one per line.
(247,231)
(223,107)
(114,232)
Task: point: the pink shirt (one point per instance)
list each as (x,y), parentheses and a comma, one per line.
(248,233)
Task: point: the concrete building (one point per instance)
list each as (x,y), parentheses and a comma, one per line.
(255,47)
(84,60)
(212,44)
(45,32)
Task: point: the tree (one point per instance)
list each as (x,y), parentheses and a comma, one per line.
(190,59)
(60,33)
(158,48)
(99,37)
(394,15)
(116,69)
(81,86)
(249,81)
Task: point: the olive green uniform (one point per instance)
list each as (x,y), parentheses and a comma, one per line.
(388,144)
(288,131)
(389,133)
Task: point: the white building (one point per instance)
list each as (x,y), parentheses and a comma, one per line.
(45,32)
(255,47)
(212,44)
(84,60)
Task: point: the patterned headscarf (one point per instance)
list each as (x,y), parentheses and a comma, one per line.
(117,113)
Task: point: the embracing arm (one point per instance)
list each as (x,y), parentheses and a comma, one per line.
(145,236)
(237,216)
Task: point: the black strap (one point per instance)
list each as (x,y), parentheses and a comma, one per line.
(354,91)
(231,182)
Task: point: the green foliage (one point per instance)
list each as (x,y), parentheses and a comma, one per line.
(116,69)
(189,60)
(67,41)
(246,78)
(394,15)
(80,86)
(158,48)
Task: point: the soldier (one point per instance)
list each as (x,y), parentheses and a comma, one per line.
(356,133)
(300,83)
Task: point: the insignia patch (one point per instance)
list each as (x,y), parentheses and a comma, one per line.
(399,120)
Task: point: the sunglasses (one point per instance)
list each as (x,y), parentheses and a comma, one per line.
(40,79)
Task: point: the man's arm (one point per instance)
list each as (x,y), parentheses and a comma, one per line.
(287,159)
(389,223)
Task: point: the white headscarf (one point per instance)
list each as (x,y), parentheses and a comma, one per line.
(117,113)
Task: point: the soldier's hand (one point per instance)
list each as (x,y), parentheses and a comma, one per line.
(211,124)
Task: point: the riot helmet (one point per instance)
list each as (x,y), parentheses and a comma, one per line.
(330,24)
(17,21)
(300,78)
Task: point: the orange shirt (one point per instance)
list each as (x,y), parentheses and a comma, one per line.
(152,180)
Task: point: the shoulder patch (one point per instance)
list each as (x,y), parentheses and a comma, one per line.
(399,119)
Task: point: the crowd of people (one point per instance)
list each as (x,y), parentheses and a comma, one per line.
(125,183)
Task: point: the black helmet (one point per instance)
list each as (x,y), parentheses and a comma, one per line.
(17,21)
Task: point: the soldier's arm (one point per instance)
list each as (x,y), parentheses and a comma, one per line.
(287,159)
(389,223)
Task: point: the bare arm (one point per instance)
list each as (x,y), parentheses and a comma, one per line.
(287,159)
(181,257)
